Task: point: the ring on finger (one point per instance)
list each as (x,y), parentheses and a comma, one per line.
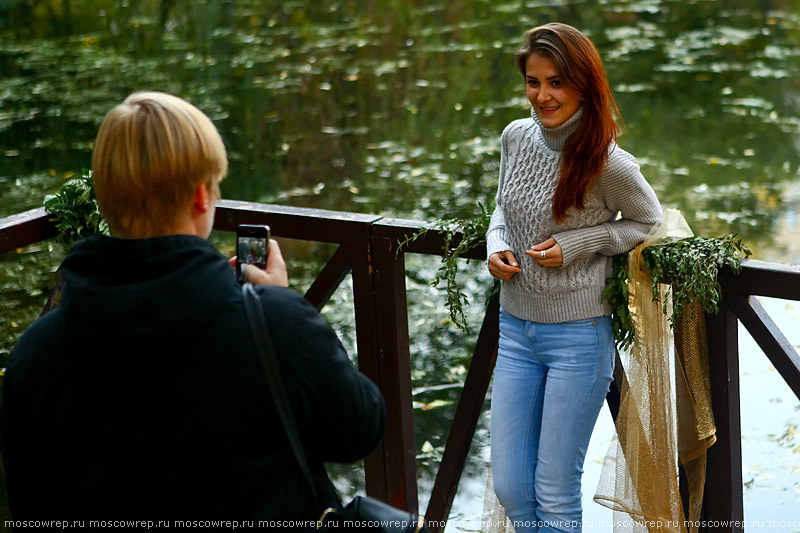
(543,254)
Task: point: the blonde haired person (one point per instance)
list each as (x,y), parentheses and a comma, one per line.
(143,192)
(141,396)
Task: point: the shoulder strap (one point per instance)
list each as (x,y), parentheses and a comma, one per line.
(258,326)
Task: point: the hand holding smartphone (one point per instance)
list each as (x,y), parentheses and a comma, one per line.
(252,248)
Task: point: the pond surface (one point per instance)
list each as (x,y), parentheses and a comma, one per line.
(395,108)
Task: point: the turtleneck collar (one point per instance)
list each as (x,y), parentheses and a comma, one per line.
(555,137)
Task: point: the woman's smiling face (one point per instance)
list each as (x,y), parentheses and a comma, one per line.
(551,97)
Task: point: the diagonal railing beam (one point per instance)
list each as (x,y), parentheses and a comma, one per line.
(465,420)
(333,273)
(769,337)
(620,381)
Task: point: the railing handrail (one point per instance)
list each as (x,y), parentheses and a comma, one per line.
(30,227)
(368,247)
(35,225)
(764,278)
(23,229)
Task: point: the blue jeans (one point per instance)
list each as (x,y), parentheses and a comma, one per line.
(549,385)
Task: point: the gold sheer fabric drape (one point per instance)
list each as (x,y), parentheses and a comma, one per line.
(494,519)
(696,429)
(665,415)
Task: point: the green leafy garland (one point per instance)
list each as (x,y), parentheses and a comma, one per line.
(692,266)
(460,236)
(689,266)
(75,210)
(616,292)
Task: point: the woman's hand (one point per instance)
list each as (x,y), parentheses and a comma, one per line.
(276,273)
(552,256)
(503,265)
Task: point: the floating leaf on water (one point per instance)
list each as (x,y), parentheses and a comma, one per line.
(436,404)
(635,87)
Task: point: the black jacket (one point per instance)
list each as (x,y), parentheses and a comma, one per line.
(142,395)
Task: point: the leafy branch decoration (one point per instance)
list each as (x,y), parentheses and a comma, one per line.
(690,267)
(616,293)
(75,210)
(460,236)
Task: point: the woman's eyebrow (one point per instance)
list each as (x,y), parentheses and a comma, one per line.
(548,78)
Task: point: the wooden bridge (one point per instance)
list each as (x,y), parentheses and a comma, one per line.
(367,249)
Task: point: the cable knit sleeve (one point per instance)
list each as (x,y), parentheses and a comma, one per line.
(496,238)
(624,190)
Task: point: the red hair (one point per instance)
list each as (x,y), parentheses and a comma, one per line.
(585,151)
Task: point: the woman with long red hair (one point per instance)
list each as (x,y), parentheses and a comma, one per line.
(568,199)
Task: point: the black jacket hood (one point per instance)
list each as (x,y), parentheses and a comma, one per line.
(126,289)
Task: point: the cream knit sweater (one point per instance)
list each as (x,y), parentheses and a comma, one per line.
(529,172)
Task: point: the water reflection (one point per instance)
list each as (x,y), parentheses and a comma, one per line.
(396,108)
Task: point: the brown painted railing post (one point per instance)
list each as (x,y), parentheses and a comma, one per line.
(383,354)
(723,498)
(367,347)
(391,315)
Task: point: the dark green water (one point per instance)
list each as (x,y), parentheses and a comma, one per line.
(395,107)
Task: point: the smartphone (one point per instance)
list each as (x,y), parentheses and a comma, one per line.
(252,247)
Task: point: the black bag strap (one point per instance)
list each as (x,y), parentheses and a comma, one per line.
(269,362)
(258,326)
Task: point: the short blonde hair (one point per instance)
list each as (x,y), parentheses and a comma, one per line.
(150,155)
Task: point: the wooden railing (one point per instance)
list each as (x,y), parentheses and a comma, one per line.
(367,249)
(723,495)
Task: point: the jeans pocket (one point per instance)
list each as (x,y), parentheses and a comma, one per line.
(581,324)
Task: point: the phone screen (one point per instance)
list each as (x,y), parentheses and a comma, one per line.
(252,246)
